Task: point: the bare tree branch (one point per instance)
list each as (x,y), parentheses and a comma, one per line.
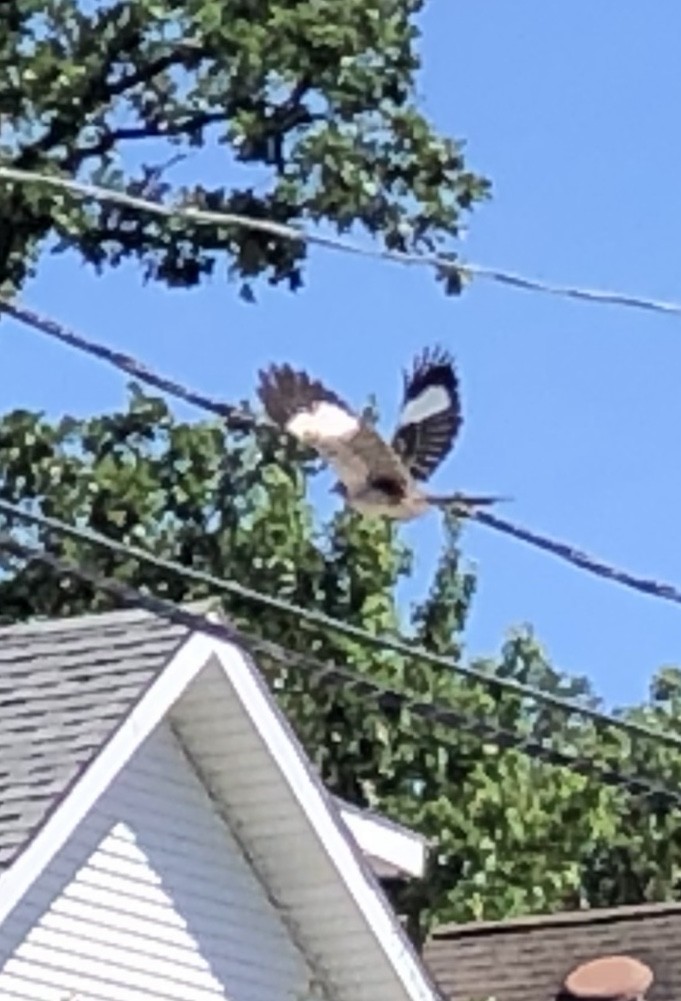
(151,131)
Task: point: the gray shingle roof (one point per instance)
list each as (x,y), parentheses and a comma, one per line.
(65,685)
(526,959)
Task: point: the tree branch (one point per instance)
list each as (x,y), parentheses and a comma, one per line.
(99,92)
(151,131)
(147,72)
(65,128)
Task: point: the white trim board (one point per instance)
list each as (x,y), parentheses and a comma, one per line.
(396,849)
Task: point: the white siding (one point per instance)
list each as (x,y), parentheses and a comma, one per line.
(150,900)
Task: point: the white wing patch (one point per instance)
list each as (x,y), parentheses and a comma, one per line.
(433,400)
(324,422)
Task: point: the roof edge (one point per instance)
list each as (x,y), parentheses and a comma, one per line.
(585,916)
(210,608)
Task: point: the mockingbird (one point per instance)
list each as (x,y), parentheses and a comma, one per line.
(376,478)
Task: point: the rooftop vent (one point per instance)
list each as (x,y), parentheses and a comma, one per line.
(608,978)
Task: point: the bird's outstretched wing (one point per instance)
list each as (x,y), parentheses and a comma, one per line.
(431,413)
(318,417)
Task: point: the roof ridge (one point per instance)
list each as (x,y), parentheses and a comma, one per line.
(583,916)
(89,620)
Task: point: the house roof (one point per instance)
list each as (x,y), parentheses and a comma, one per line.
(79,696)
(66,684)
(528,959)
(64,687)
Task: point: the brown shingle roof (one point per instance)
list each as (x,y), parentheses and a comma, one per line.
(527,959)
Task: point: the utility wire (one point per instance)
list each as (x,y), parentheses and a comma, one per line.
(316,618)
(384,697)
(234,417)
(646,585)
(441,264)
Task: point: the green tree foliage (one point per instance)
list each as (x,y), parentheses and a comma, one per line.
(509,834)
(315,98)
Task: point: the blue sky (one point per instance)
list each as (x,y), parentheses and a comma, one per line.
(572,409)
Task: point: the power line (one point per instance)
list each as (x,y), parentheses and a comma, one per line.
(454,719)
(440,263)
(385,697)
(314,617)
(234,417)
(646,585)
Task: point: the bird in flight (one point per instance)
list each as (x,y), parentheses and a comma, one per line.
(376,477)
